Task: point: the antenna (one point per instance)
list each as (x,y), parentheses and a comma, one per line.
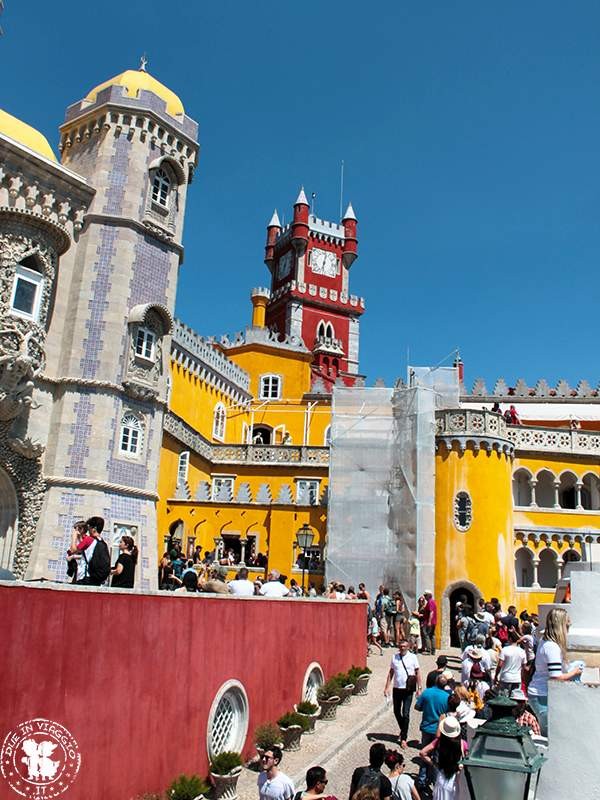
(342,189)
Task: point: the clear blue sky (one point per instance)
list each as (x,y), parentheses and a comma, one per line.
(470,133)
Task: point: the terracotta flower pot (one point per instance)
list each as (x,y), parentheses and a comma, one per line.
(312,718)
(226,785)
(291,737)
(362,683)
(346,694)
(329,708)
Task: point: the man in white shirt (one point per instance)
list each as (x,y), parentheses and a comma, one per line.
(406,675)
(273,587)
(511,661)
(241,586)
(272,783)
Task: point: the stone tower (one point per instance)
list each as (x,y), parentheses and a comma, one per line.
(108,343)
(309,260)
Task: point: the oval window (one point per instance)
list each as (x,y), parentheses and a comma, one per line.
(228,720)
(462,511)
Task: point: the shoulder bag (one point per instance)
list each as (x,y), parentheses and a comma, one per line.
(411,680)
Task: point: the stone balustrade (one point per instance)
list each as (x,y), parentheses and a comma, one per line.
(476,427)
(530,438)
(270,454)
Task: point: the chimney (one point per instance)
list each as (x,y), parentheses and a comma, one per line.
(260,297)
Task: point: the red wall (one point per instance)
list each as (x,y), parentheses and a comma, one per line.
(133,676)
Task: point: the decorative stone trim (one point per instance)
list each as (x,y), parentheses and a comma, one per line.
(536,535)
(139,227)
(475,428)
(534,439)
(102,486)
(522,393)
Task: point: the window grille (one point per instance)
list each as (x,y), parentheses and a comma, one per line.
(462,511)
(228,720)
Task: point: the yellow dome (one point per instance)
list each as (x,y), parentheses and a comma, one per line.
(135,79)
(24,134)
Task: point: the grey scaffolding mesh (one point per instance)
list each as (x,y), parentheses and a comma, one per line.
(381,518)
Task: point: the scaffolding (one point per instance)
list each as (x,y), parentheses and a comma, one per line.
(381,517)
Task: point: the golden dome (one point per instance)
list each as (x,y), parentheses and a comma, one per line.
(26,135)
(135,79)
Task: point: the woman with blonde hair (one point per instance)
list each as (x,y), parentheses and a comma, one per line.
(550,661)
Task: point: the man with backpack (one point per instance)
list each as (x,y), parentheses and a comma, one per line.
(96,556)
(371,777)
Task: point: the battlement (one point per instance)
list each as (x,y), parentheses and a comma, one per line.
(562,392)
(260,291)
(261,336)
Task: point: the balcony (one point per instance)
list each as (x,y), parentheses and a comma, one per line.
(270,454)
(531,439)
(477,427)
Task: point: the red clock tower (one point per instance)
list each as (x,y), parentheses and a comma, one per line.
(309,260)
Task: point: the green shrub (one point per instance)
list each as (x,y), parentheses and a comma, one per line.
(292,718)
(355,672)
(343,678)
(225,762)
(330,688)
(306,707)
(267,735)
(187,787)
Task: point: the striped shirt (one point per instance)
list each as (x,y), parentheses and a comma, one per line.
(548,664)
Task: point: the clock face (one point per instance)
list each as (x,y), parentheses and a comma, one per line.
(323,262)
(284,265)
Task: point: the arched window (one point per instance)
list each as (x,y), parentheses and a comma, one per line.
(327,436)
(329,332)
(219,420)
(590,492)
(548,569)
(463,511)
(544,490)
(566,491)
(321,330)
(130,442)
(524,567)
(183,466)
(270,387)
(571,555)
(161,186)
(262,434)
(521,488)
(27,289)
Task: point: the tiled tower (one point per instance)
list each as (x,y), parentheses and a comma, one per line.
(109,339)
(310,262)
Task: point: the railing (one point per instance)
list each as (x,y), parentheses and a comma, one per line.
(470,422)
(533,439)
(270,454)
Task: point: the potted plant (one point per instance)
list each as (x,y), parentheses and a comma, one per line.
(328,696)
(225,769)
(292,727)
(310,711)
(347,689)
(360,678)
(187,787)
(266,736)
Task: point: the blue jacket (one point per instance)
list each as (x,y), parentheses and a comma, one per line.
(433,703)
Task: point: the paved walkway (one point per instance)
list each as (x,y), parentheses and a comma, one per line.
(344,744)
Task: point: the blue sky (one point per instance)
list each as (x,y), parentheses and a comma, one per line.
(470,133)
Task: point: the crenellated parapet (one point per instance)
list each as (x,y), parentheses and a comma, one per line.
(523,393)
(474,429)
(265,336)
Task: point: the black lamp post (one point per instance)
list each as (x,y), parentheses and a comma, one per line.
(304,539)
(503,761)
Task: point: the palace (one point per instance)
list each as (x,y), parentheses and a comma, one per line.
(110,405)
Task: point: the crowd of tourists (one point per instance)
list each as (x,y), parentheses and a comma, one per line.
(89,561)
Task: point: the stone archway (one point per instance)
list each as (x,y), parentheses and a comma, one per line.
(9,520)
(447,611)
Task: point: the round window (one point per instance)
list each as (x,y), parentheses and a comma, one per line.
(313,678)
(228,720)
(463,508)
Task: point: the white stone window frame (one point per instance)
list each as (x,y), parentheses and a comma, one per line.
(127,418)
(219,421)
(29,276)
(313,678)
(220,480)
(161,188)
(147,337)
(456,511)
(238,714)
(270,386)
(120,529)
(307,480)
(183,466)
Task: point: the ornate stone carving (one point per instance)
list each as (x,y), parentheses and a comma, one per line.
(479,388)
(17,370)
(27,447)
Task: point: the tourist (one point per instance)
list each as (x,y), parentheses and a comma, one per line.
(177,563)
(189,583)
(399,617)
(430,621)
(406,676)
(482,623)
(373,635)
(351,593)
(522,713)
(363,594)
(81,539)
(471,656)
(241,586)
(442,663)
(465,710)
(96,556)
(316,786)
(272,783)
(403,786)
(449,748)
(388,613)
(295,588)
(197,557)
(273,587)
(467,627)
(511,663)
(527,642)
(514,417)
(496,408)
(414,628)
(371,777)
(433,702)
(312,590)
(511,620)
(189,567)
(216,582)
(123,572)
(550,660)
(165,571)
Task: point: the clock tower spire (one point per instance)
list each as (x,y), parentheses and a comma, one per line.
(309,260)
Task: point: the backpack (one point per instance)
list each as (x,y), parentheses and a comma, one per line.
(370,779)
(98,567)
(388,606)
(471,631)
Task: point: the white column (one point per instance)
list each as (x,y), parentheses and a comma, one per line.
(242,551)
(556,485)
(536,564)
(578,487)
(533,484)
